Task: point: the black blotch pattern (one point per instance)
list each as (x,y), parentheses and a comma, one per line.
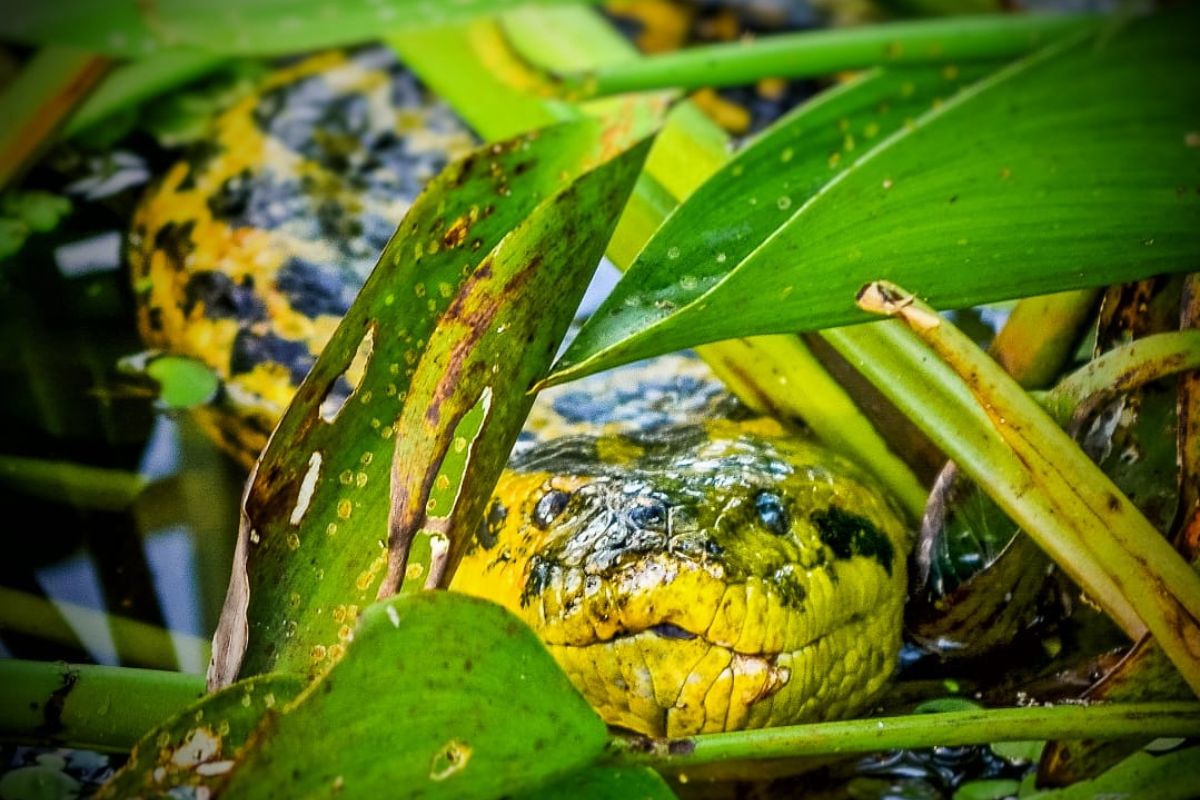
(849,535)
(791,590)
(175,239)
(251,349)
(262,200)
(489,527)
(540,574)
(232,197)
(222,298)
(313,288)
(199,156)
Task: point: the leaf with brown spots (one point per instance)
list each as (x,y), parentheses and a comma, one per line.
(464,311)
(412,712)
(198,746)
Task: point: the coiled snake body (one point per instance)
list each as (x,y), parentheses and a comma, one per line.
(691,567)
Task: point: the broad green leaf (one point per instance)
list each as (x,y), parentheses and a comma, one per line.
(1173,776)
(1060,171)
(605,783)
(464,312)
(440,695)
(197,746)
(132,29)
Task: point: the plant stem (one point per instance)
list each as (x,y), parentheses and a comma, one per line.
(1040,335)
(1058,495)
(97,708)
(928,392)
(47,90)
(825,52)
(951,728)
(82,485)
(142,643)
(1121,370)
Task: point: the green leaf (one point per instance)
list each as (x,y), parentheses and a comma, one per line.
(40,211)
(414,712)
(196,747)
(1060,171)
(131,29)
(47,780)
(1173,776)
(136,82)
(183,382)
(464,313)
(606,783)
(13,233)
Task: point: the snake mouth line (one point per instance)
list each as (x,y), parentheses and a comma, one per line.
(665,680)
(669,631)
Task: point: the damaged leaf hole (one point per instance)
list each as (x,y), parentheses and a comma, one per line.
(344,386)
(450,759)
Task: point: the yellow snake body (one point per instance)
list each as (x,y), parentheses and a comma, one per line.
(691,568)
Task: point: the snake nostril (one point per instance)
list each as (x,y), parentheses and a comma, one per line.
(549,507)
(771,512)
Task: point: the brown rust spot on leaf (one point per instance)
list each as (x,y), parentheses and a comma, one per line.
(456,234)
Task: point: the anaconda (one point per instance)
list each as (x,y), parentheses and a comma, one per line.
(691,567)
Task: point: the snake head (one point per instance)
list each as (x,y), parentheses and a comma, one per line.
(699,577)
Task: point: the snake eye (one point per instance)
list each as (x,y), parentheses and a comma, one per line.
(549,507)
(649,515)
(771,512)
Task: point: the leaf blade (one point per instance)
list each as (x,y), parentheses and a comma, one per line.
(1002,191)
(231,27)
(464,730)
(317,507)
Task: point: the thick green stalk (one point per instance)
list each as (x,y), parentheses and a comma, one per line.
(1060,497)
(928,392)
(82,485)
(1040,335)
(141,643)
(950,729)
(825,52)
(96,708)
